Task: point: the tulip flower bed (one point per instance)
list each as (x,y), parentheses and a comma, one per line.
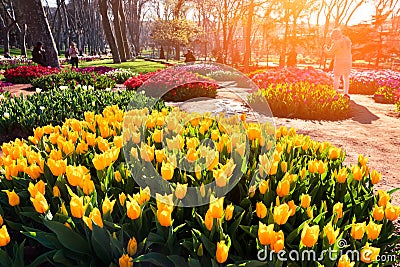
(97,69)
(26,74)
(120,75)
(305,101)
(22,114)
(72,78)
(174,82)
(391,95)
(68,197)
(369,81)
(6,63)
(290,75)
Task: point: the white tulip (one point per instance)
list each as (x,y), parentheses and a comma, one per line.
(6,115)
(38,90)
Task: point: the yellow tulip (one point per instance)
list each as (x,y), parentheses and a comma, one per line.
(376,177)
(305,200)
(274,168)
(38,187)
(132,209)
(82,148)
(1,220)
(160,155)
(279,242)
(283,188)
(263,186)
(338,210)
(330,233)
(292,207)
(192,155)
(180,191)
(108,205)
(392,212)
(95,216)
(40,203)
(373,230)
(125,261)
(222,252)
(164,217)
(344,261)
(76,206)
(13,198)
(362,160)
(157,136)
(369,254)
(208,220)
(384,198)
(266,234)
(4,236)
(57,167)
(281,214)
(378,213)
(334,153)
(132,246)
(56,191)
(341,176)
(357,173)
(122,198)
(88,222)
(358,230)
(75,174)
(310,212)
(34,171)
(167,171)
(261,210)
(117,176)
(220,178)
(216,207)
(229,212)
(309,235)
(147,152)
(87,186)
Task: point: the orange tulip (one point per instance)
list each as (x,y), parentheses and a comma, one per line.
(222,252)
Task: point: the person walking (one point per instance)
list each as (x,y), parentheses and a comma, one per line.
(39,54)
(72,52)
(341,49)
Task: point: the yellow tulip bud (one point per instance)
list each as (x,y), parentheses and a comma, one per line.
(132,246)
(281,214)
(229,212)
(305,200)
(261,210)
(4,236)
(358,230)
(221,254)
(13,198)
(373,230)
(125,261)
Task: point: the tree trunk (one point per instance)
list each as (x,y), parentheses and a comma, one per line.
(117,29)
(6,40)
(123,31)
(23,40)
(247,50)
(32,13)
(107,30)
(282,56)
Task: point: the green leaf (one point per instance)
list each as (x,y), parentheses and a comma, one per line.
(177,260)
(207,244)
(101,243)
(69,238)
(42,259)
(49,240)
(60,257)
(155,258)
(5,259)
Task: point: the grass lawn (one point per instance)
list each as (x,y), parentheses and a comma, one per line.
(139,65)
(15,51)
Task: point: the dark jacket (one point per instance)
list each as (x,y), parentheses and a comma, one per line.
(39,56)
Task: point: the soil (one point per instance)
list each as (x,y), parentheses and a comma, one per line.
(373,130)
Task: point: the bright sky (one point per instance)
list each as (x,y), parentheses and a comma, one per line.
(363,13)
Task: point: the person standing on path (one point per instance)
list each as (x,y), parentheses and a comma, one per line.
(73,52)
(341,48)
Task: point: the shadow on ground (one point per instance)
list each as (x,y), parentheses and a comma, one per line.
(361,114)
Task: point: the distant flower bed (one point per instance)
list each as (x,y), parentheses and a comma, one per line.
(120,75)
(9,63)
(97,69)
(303,100)
(290,75)
(26,74)
(5,84)
(175,84)
(73,78)
(367,82)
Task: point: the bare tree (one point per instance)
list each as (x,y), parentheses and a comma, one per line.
(31,12)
